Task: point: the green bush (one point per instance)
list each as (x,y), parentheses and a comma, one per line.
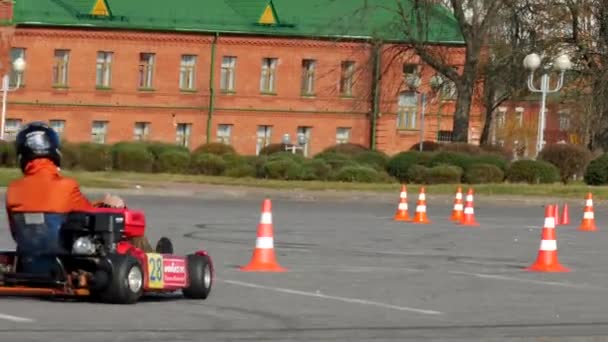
(336,160)
(417,174)
(132,157)
(316,169)
(283,168)
(173,162)
(69,156)
(498,150)
(399,164)
(597,171)
(207,164)
(8,155)
(275,148)
(94,157)
(459,159)
(461,147)
(570,159)
(444,174)
(286,155)
(532,172)
(215,148)
(360,174)
(493,159)
(484,173)
(375,159)
(349,149)
(241,171)
(427,146)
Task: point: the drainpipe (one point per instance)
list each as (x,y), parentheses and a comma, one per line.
(376,93)
(211,87)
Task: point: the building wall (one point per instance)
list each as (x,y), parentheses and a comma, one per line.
(245,107)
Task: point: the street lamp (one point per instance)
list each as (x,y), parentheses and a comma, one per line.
(532,62)
(301,141)
(19,67)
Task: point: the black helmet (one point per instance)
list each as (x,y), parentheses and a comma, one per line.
(37,140)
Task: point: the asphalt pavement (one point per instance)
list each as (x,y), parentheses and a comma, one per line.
(353,275)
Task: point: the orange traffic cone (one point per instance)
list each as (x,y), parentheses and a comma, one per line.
(402,210)
(565,215)
(457,212)
(263,259)
(547,260)
(420,216)
(556,214)
(469,213)
(588,222)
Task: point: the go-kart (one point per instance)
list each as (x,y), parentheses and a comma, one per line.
(98,259)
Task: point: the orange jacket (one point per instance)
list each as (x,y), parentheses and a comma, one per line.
(43,189)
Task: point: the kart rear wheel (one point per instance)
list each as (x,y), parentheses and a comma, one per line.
(126,281)
(200,272)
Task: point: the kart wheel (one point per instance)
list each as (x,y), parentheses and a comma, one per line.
(200,272)
(164,246)
(126,282)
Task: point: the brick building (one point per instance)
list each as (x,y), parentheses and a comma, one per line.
(243,72)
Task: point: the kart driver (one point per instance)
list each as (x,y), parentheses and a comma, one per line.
(43,190)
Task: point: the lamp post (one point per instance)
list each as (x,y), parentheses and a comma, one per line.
(19,67)
(532,62)
(301,141)
(413,82)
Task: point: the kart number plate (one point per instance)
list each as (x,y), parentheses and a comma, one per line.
(155,271)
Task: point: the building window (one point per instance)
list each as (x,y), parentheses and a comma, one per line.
(564,121)
(141,131)
(501,118)
(11,127)
(104,69)
(187,79)
(448,90)
(224,133)
(307,131)
(308,76)
(99,132)
(267,80)
(264,135)
(407,110)
(346,78)
(58,126)
(343,135)
(146,70)
(227,78)
(16,53)
(182,134)
(60,69)
(519,116)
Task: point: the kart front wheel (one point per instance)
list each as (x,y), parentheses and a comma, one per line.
(126,281)
(200,272)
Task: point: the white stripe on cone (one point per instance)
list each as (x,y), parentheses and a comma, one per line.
(264,242)
(266,218)
(468,210)
(549,222)
(421,208)
(469,198)
(402,206)
(458,207)
(422,197)
(548,245)
(403,195)
(588,215)
(459,196)
(589,203)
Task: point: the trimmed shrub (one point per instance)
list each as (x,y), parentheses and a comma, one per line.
(316,169)
(286,155)
(532,172)
(417,174)
(359,173)
(570,159)
(276,148)
(207,164)
(132,157)
(282,168)
(215,148)
(95,157)
(399,164)
(336,160)
(484,173)
(597,171)
(173,162)
(69,156)
(427,146)
(8,154)
(459,159)
(241,171)
(349,149)
(377,160)
(498,150)
(461,147)
(492,159)
(444,174)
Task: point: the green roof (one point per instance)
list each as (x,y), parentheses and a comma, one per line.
(334,19)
